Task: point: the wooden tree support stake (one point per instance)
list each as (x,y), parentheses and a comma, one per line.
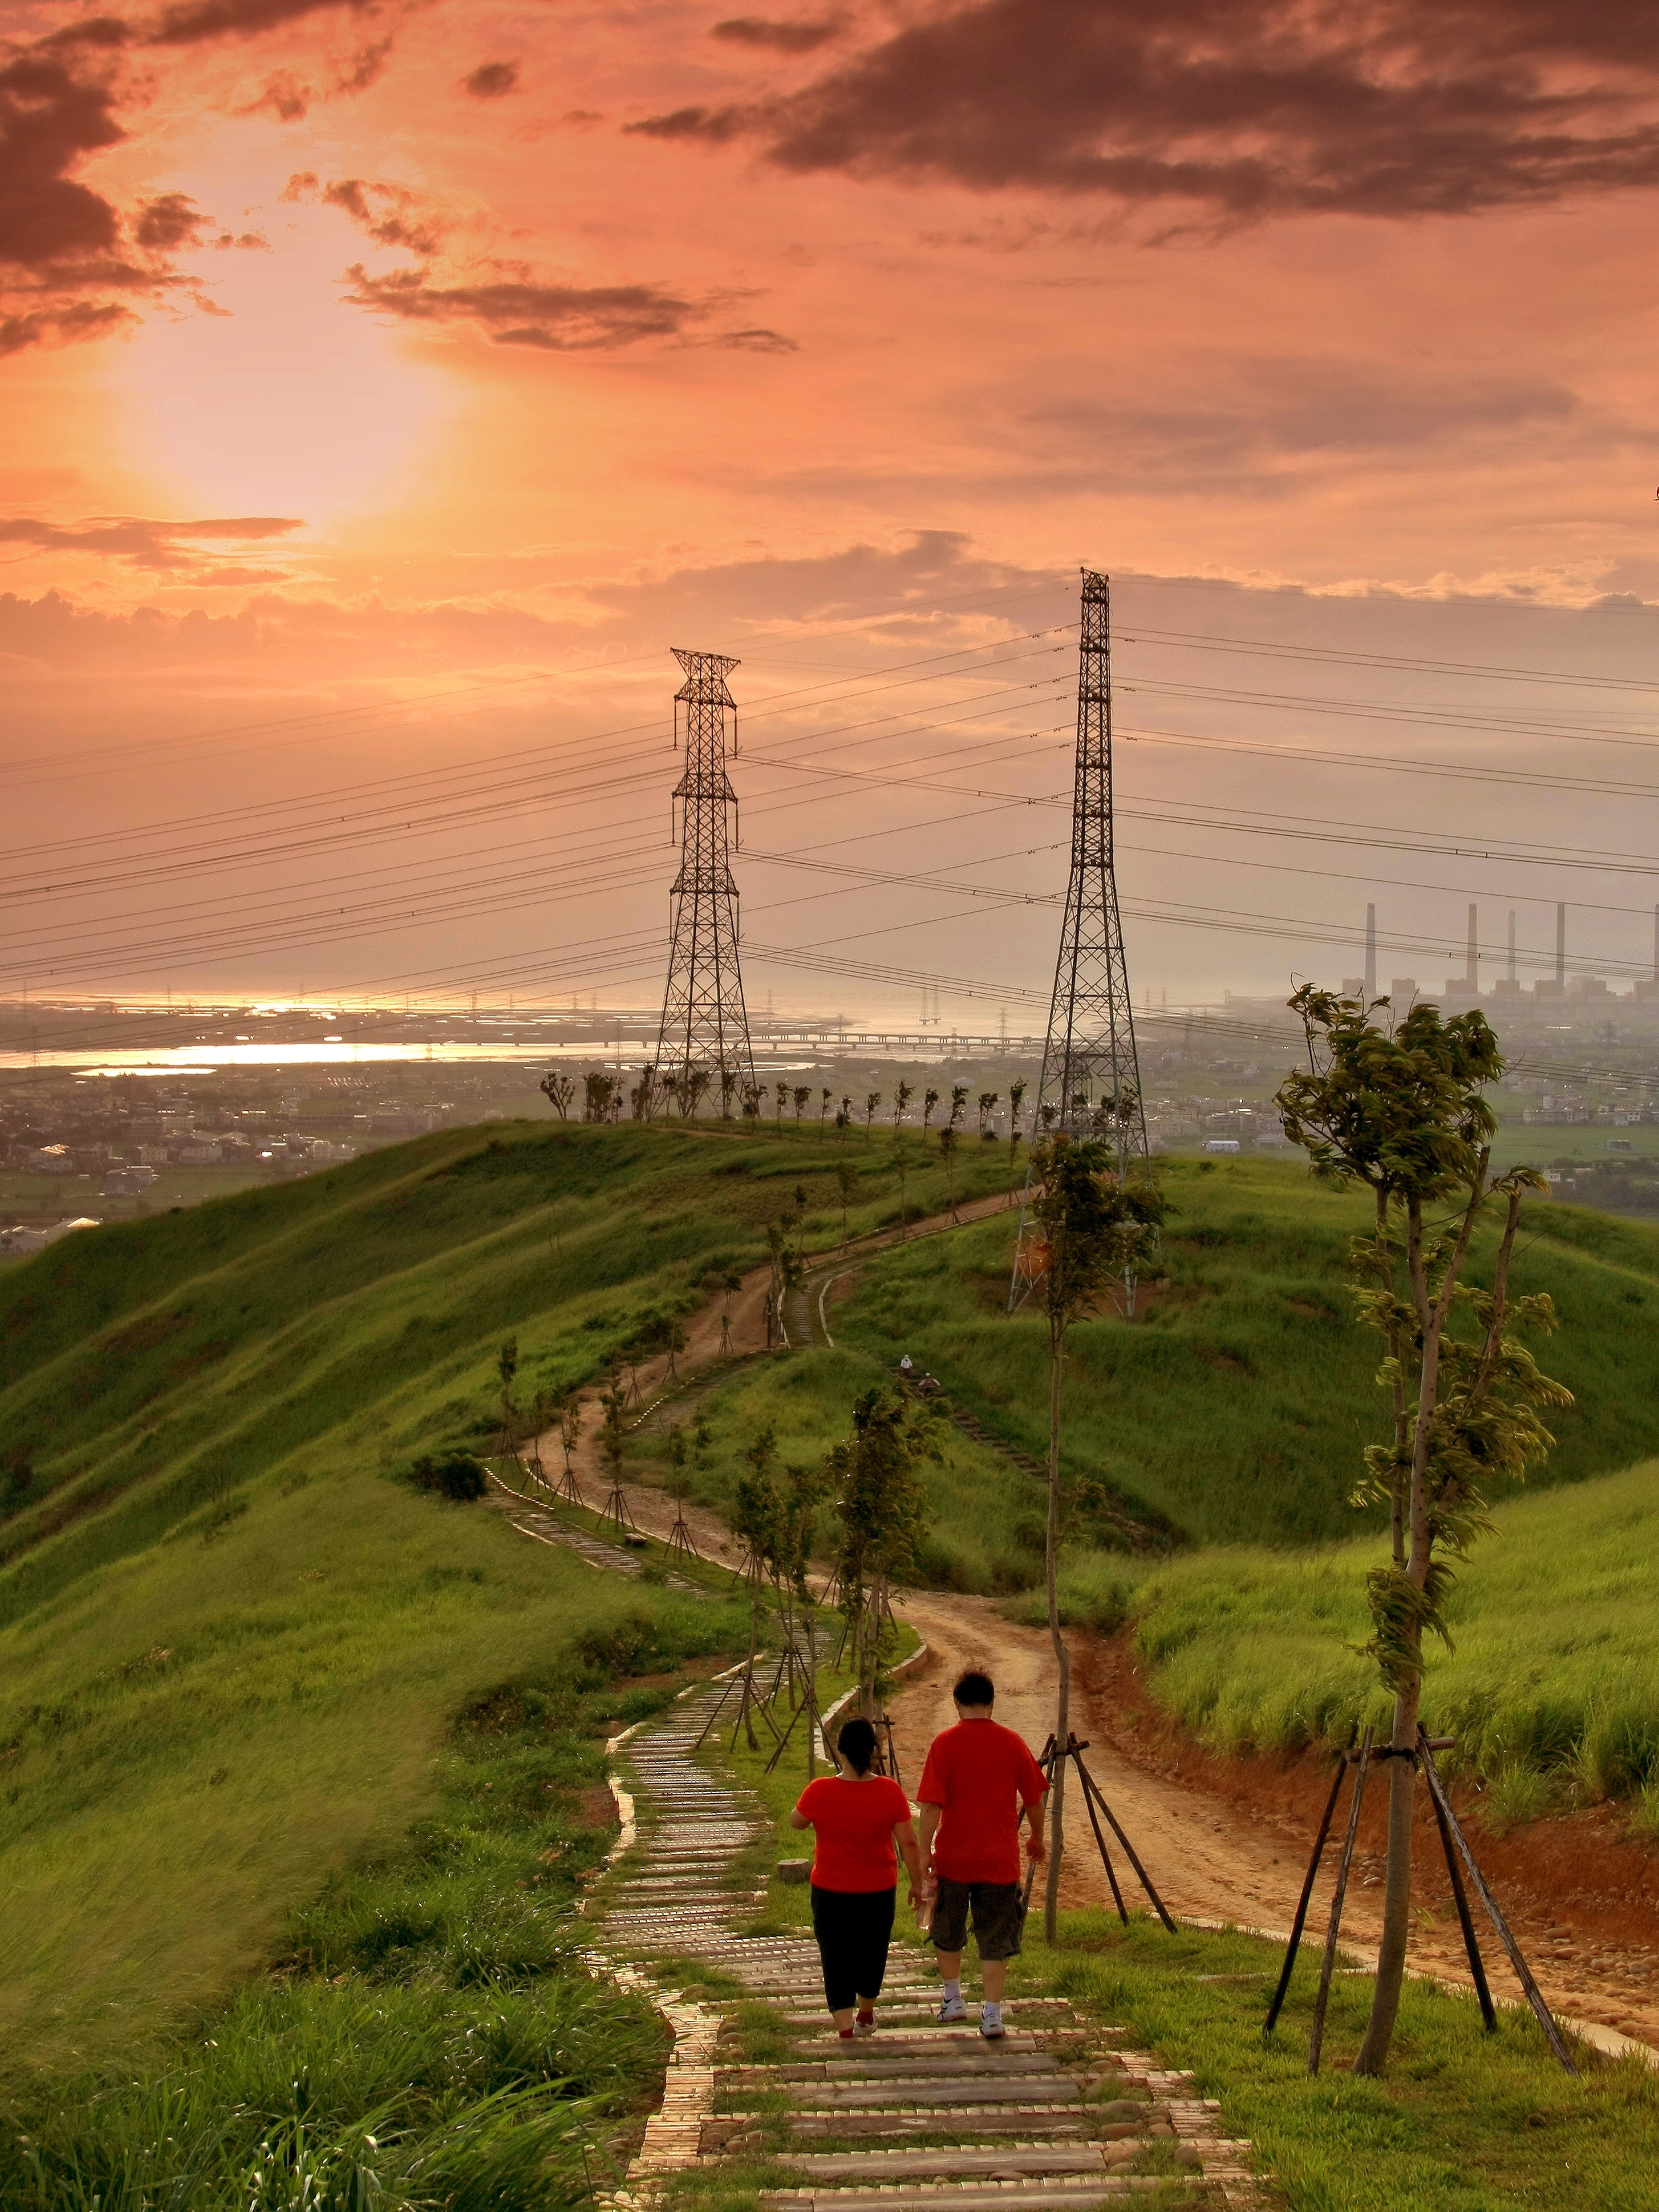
(1092,1789)
(1552,2034)
(1327,1964)
(1306,1898)
(616,1515)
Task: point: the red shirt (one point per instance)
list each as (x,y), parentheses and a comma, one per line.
(853,1824)
(980,1774)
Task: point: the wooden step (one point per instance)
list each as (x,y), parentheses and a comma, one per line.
(1057,2195)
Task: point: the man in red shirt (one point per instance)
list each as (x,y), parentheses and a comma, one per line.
(978,1777)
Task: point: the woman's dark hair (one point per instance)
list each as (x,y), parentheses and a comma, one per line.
(857,1744)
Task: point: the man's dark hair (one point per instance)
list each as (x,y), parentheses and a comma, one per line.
(857,1744)
(974,1688)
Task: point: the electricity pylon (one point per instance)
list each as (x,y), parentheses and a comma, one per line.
(1090,1080)
(705,1025)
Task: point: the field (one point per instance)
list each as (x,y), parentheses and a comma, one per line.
(285,1741)
(232,1642)
(1233,1407)
(1552,1689)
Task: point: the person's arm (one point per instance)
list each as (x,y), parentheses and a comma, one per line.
(798,1819)
(929,1816)
(904,1836)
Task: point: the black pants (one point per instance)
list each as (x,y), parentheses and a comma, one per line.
(854,1927)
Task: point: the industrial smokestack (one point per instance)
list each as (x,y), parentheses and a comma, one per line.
(1470,968)
(1561,946)
(1655,939)
(1371,950)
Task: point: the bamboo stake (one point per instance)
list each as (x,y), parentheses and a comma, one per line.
(1105,1855)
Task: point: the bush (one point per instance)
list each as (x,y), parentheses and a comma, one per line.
(458,1475)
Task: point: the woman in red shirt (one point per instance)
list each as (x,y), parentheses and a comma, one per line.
(857,1817)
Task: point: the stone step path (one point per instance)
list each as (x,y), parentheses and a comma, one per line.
(548,1528)
(1058,2114)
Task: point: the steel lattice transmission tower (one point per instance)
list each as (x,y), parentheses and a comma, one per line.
(1091,1073)
(705,1025)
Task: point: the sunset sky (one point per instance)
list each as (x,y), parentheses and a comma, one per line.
(386,387)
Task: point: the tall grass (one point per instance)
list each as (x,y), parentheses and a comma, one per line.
(1552,1686)
(430,2038)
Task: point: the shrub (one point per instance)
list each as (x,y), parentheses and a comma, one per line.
(458,1475)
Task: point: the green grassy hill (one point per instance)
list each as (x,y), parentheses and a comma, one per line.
(1237,1401)
(1552,1689)
(233,1648)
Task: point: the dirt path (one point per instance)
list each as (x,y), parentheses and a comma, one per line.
(1224,1840)
(709,1353)
(1215,1860)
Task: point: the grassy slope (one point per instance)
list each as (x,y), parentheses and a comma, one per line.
(1552,1686)
(230,1647)
(156,1368)
(804,1397)
(1237,1402)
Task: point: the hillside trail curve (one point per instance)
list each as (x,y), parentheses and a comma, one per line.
(1226,1841)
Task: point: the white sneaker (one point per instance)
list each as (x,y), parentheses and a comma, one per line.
(863,2028)
(953,2009)
(990,2025)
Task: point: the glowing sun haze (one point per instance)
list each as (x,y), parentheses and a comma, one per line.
(433,368)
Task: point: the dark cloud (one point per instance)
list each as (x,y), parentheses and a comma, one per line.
(50,120)
(194,22)
(175,220)
(137,542)
(77,320)
(755,341)
(782,38)
(284,96)
(1256,426)
(388,224)
(556,318)
(1403,107)
(492,80)
(64,243)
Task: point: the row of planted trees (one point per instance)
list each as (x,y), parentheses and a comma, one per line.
(870,1488)
(604,1096)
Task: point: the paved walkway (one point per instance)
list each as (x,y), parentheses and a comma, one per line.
(1059,2114)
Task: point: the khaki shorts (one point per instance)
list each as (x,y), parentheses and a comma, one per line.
(998,1912)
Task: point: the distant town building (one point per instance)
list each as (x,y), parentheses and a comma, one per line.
(65,1228)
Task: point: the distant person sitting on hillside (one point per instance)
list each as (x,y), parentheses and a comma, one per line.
(858,1817)
(929,1387)
(978,1777)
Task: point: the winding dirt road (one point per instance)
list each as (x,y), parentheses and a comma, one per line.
(1226,1841)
